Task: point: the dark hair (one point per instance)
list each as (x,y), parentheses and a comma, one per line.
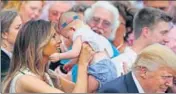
(6,18)
(127,12)
(172,13)
(28,49)
(148,17)
(122,7)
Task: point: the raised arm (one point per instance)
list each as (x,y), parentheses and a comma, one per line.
(33,84)
(83,62)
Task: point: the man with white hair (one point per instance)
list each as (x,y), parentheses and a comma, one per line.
(102,17)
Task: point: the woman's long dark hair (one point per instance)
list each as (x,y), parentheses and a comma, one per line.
(28,49)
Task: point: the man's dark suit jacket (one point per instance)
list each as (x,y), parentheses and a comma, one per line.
(123,84)
(5,62)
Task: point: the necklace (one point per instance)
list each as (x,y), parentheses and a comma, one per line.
(120,46)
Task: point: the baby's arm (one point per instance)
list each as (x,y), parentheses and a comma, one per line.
(73,53)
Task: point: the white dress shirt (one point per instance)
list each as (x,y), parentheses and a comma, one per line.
(128,56)
(140,89)
(7,52)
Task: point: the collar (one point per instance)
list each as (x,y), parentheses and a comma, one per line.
(140,89)
(7,52)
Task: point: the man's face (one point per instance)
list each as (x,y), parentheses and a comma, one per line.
(172,39)
(158,81)
(57,9)
(101,22)
(159,33)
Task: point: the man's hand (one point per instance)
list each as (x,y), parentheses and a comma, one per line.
(125,67)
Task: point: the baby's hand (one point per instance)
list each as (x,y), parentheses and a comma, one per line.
(54,57)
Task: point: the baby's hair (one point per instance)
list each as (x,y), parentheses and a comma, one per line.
(67,16)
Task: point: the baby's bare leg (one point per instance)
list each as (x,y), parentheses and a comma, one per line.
(92,84)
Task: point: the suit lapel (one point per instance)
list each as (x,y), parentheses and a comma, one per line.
(131,86)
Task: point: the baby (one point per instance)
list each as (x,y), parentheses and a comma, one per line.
(101,67)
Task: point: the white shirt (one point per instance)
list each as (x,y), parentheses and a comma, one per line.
(140,89)
(7,52)
(96,41)
(129,56)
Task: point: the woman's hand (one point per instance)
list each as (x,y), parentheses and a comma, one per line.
(86,54)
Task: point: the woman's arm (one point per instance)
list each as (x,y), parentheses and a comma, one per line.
(83,62)
(32,84)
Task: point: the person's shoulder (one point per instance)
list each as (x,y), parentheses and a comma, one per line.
(4,55)
(125,56)
(28,78)
(5,60)
(121,57)
(115,86)
(130,51)
(29,82)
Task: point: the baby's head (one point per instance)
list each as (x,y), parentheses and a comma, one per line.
(69,19)
(67,22)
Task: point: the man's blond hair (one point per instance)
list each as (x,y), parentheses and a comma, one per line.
(156,56)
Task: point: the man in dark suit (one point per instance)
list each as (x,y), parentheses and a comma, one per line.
(5,62)
(122,84)
(152,72)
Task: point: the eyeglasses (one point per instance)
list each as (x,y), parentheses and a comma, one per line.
(105,23)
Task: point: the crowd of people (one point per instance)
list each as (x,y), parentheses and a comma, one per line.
(88,46)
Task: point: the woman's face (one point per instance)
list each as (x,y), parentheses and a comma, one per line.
(53,44)
(13,30)
(31,10)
